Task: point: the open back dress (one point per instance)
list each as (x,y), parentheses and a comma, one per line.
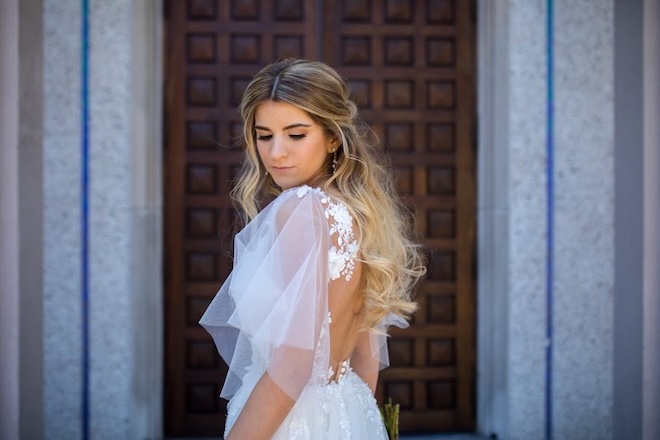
(290,309)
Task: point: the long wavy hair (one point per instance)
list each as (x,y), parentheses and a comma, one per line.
(393,259)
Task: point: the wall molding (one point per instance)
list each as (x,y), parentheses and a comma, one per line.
(493,219)
(146,219)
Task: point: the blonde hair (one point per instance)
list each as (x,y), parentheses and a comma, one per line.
(393,262)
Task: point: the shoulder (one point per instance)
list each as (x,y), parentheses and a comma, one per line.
(298,199)
(330,206)
(299,207)
(305,197)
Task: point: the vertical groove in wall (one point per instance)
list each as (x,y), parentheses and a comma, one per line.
(651,221)
(627,408)
(550,222)
(85,215)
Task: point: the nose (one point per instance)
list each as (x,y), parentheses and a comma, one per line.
(278,148)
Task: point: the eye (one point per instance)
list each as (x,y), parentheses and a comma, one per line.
(264,137)
(296,137)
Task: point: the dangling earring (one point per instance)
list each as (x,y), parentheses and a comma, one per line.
(334,161)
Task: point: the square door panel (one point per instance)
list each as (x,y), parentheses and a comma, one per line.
(245,10)
(441,309)
(202,9)
(202,91)
(201,48)
(201,135)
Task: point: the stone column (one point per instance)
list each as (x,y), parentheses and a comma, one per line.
(21,197)
(516,292)
(512,219)
(584,219)
(125,242)
(62,220)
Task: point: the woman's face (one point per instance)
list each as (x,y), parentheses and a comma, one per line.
(291,145)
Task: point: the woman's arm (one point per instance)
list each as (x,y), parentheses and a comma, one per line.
(263,412)
(288,286)
(371,379)
(364,362)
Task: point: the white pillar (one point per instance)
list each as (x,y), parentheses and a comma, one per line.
(513,207)
(62,220)
(512,225)
(584,219)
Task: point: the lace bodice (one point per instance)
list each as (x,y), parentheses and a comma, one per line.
(341,257)
(273,311)
(272,315)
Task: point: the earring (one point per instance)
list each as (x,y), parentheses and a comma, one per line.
(334,161)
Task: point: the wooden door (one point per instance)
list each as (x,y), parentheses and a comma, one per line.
(411,66)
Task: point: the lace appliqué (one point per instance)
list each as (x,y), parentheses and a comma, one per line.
(341,258)
(344,369)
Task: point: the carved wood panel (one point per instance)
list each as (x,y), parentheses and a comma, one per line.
(411,67)
(213,49)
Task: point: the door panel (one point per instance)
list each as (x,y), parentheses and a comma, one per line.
(411,67)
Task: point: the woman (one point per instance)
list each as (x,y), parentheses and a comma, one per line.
(319,273)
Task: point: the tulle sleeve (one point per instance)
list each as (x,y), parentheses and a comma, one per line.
(273,308)
(371,354)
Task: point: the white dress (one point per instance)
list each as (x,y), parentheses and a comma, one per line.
(271,316)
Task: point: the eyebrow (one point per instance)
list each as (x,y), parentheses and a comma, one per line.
(288,127)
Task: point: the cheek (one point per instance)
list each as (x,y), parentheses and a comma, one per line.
(261,151)
(317,150)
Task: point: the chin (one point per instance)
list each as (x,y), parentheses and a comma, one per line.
(285,185)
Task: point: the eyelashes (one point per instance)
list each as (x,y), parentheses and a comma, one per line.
(267,137)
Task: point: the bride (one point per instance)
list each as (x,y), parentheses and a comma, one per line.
(323,266)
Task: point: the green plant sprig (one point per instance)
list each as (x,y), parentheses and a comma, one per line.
(390,414)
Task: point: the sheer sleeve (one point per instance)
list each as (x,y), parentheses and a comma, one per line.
(371,354)
(272,310)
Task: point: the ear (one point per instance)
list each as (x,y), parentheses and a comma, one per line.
(334,143)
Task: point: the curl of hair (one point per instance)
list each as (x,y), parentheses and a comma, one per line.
(393,259)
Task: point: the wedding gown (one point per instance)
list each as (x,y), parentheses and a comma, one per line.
(272,316)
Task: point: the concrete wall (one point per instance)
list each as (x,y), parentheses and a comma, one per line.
(9,250)
(584,219)
(124,207)
(629,274)
(512,219)
(20,219)
(651,346)
(146,217)
(513,227)
(493,219)
(62,219)
(527,222)
(112,365)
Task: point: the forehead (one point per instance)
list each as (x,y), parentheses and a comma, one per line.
(277,114)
